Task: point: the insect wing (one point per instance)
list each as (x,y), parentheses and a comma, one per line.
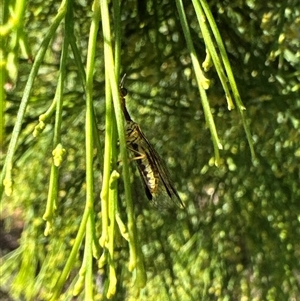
(145,181)
(144,167)
(165,189)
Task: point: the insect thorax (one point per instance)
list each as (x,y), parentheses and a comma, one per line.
(132,132)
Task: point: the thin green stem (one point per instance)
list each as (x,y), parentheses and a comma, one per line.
(106,166)
(88,253)
(77,58)
(2,96)
(134,260)
(107,199)
(110,135)
(5,177)
(212,51)
(89,130)
(57,148)
(113,198)
(201,81)
(229,73)
(72,257)
(88,212)
(15,20)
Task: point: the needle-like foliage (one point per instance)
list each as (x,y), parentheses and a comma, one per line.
(214,86)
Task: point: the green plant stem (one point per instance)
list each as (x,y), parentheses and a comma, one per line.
(87,220)
(77,58)
(109,65)
(212,50)
(107,194)
(72,257)
(89,130)
(110,134)
(6,172)
(230,76)
(53,185)
(106,166)
(113,198)
(15,20)
(200,79)
(134,260)
(88,253)
(2,97)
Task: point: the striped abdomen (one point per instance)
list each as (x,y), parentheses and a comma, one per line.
(146,166)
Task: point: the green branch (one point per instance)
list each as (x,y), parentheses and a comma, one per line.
(6,177)
(202,81)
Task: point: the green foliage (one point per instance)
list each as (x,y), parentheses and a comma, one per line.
(88,229)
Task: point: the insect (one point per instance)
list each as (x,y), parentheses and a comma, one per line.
(155,176)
